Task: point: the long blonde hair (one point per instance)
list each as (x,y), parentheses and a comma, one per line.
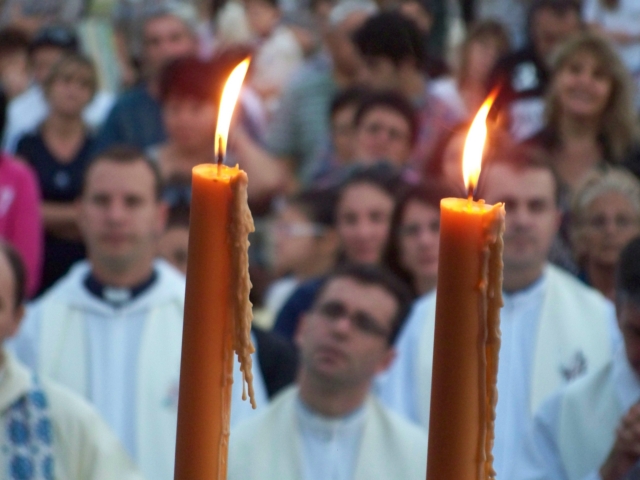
(618,124)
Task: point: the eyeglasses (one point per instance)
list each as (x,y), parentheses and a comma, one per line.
(333,311)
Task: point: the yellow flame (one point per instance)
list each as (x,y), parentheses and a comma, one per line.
(230,95)
(474,145)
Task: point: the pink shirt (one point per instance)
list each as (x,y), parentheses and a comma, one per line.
(20,216)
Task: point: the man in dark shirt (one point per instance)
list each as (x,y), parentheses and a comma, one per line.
(136,119)
(523,75)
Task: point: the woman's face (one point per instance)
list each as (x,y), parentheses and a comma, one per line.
(362,222)
(610,223)
(482,55)
(70,92)
(582,86)
(419,242)
(190,123)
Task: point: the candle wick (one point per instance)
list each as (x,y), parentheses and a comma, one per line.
(220,156)
(470,192)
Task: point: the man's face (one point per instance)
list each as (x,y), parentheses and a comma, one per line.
(118,213)
(165,39)
(628,312)
(549,29)
(532,217)
(343,339)
(10,313)
(383,134)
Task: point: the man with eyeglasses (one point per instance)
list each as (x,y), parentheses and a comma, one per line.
(329,426)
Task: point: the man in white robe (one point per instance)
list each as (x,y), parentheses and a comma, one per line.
(329,426)
(553,327)
(111,329)
(590,430)
(47,431)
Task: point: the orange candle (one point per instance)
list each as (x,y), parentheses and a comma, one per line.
(217,317)
(467,332)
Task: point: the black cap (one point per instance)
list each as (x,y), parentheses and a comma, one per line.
(628,277)
(55,36)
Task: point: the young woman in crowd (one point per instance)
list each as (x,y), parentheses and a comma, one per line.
(485,43)
(412,251)
(589,110)
(605,217)
(189,110)
(362,217)
(59,151)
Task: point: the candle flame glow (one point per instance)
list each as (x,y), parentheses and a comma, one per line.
(474,145)
(230,95)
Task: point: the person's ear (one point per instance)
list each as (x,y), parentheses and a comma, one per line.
(18,315)
(387,359)
(161,217)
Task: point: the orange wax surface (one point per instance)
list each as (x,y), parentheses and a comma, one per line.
(207,350)
(463,392)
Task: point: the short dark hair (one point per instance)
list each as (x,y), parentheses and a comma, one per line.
(628,272)
(521,157)
(393,36)
(19,273)
(71,63)
(379,276)
(558,7)
(393,101)
(344,98)
(126,155)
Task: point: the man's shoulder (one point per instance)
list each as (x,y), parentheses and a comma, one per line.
(562,281)
(66,285)
(280,411)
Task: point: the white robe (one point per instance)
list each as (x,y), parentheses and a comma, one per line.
(574,430)
(572,331)
(84,448)
(269,446)
(124,360)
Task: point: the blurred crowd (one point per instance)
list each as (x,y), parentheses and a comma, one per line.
(351,127)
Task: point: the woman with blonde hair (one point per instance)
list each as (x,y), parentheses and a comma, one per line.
(605,214)
(590,118)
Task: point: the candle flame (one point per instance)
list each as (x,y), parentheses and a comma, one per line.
(230,95)
(474,145)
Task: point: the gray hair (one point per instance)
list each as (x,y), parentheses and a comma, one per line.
(183,11)
(342,10)
(597,183)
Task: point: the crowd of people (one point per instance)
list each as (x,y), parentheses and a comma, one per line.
(351,126)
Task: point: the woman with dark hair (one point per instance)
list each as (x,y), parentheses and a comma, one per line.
(362,215)
(412,250)
(59,151)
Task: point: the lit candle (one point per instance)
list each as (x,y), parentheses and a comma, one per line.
(467,330)
(217,312)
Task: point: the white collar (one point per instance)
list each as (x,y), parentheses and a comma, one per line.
(320,425)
